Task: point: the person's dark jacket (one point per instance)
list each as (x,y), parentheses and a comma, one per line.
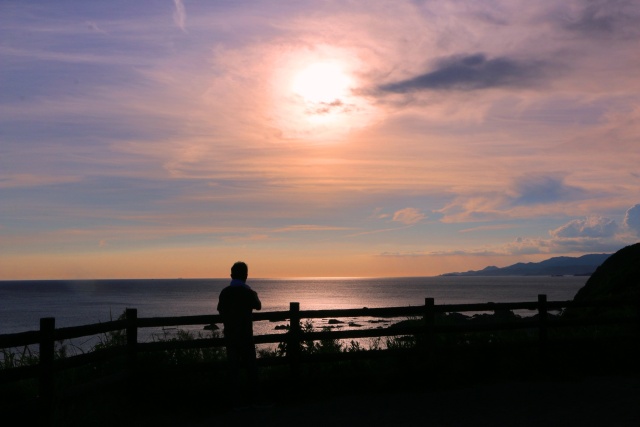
(235,304)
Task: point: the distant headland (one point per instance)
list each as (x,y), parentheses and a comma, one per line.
(556,266)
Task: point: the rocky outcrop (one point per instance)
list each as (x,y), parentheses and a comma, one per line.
(617,279)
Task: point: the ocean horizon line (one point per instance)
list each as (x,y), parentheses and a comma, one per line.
(212,278)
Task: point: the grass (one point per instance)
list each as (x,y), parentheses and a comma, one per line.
(176,386)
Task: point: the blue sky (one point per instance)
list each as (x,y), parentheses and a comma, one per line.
(314,138)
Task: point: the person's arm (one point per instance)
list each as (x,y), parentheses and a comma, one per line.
(257,304)
(221,305)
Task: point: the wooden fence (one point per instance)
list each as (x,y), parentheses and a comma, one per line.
(48,334)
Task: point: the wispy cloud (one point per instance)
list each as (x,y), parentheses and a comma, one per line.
(246,238)
(593,234)
(526,195)
(93,26)
(21,180)
(513,119)
(180,15)
(378,231)
(308,227)
(487,228)
(408,216)
(603,18)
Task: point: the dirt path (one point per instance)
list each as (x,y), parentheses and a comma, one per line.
(598,401)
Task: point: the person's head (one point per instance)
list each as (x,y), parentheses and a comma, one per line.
(240,271)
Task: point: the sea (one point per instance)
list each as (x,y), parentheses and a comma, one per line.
(82,302)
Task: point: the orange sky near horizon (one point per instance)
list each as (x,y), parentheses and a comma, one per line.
(190,263)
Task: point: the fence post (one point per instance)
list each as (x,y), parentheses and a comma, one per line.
(636,347)
(543,325)
(293,344)
(132,340)
(429,323)
(637,319)
(47,349)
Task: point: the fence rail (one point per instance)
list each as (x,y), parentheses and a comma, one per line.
(48,334)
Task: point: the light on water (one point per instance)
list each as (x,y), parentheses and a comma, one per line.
(74,303)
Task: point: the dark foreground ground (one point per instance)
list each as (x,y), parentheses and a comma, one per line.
(592,386)
(595,401)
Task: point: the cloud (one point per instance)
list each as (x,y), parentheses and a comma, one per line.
(487,228)
(522,246)
(481,252)
(247,238)
(408,216)
(527,196)
(472,72)
(603,18)
(334,107)
(591,227)
(557,246)
(632,219)
(309,227)
(93,26)
(214,123)
(379,214)
(34,180)
(592,234)
(180,15)
(414,254)
(534,189)
(384,230)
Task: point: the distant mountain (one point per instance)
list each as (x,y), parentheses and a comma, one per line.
(557,266)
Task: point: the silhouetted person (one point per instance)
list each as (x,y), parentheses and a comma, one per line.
(236,302)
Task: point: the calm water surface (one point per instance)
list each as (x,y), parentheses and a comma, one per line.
(72,303)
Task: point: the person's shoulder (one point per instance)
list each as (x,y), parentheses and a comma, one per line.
(245,292)
(226,290)
(236,290)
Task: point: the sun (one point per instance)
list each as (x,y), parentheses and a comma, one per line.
(322,83)
(318,95)
(322,92)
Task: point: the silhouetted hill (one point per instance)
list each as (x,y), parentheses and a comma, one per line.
(560,266)
(618,278)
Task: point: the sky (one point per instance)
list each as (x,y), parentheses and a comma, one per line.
(314,138)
